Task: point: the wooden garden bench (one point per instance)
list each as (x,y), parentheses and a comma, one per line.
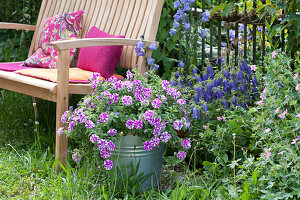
(131,18)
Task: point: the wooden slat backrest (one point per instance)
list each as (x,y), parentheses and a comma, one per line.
(131,18)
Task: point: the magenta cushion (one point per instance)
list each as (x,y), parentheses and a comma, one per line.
(102,59)
(66,26)
(12,66)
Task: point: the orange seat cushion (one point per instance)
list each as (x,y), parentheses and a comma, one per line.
(76,75)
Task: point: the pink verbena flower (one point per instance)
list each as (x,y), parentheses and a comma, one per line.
(260,103)
(267,130)
(147,92)
(105,153)
(94,138)
(294,141)
(219,118)
(265,90)
(89,124)
(129,124)
(297,87)
(138,124)
(253,67)
(298,116)
(118,85)
(277,110)
(165,137)
(112,132)
(177,125)
(274,53)
(148,145)
(268,153)
(163,98)
(104,117)
(155,141)
(102,144)
(64,117)
(295,76)
(224,119)
(204,127)
(127,100)
(181,155)
(110,146)
(112,79)
(282,115)
(281,152)
(156,103)
(186,143)
(108,164)
(95,84)
(181,102)
(76,157)
(94,76)
(165,84)
(149,114)
(71,126)
(145,103)
(60,131)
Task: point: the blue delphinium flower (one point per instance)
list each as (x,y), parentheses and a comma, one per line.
(150,61)
(153,46)
(240,76)
(195,71)
(187,26)
(175,25)
(198,79)
(186,7)
(222,60)
(226,74)
(254,81)
(204,77)
(177,4)
(177,75)
(202,33)
(205,16)
(172,32)
(181,64)
(180,82)
(173,83)
(154,67)
(234,101)
(196,98)
(243,88)
(210,72)
(223,44)
(220,94)
(200,91)
(226,86)
(205,109)
(233,85)
(224,103)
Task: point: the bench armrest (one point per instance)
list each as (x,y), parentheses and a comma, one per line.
(90,42)
(16,26)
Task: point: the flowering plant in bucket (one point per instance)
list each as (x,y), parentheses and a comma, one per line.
(147,107)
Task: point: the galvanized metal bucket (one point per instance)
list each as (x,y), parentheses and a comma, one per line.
(129,153)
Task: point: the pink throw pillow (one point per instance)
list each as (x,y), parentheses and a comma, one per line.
(57,28)
(102,59)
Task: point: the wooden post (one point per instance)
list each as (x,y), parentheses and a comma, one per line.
(62,104)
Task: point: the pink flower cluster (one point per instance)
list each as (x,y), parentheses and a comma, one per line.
(268,153)
(221,118)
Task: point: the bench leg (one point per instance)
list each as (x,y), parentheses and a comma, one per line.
(61,145)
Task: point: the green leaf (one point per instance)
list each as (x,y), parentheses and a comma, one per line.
(228,9)
(217,8)
(254,177)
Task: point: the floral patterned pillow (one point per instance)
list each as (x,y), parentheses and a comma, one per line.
(60,27)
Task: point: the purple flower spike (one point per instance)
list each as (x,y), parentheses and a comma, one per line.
(181,155)
(76,157)
(64,117)
(177,125)
(112,132)
(181,64)
(148,145)
(156,103)
(108,164)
